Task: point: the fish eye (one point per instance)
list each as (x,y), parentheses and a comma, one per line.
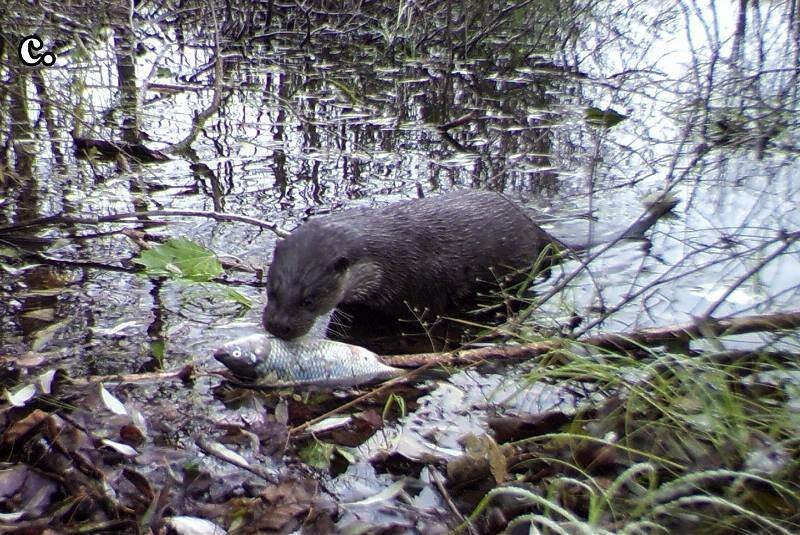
(236,353)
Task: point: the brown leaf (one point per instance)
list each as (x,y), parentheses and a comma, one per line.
(31,360)
(513,428)
(497,463)
(282,503)
(140,482)
(26,426)
(370,416)
(131,434)
(480,452)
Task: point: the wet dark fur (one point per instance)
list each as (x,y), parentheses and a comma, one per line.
(430,253)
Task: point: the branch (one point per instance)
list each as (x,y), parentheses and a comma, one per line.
(94,220)
(700,328)
(617,341)
(788,240)
(653,212)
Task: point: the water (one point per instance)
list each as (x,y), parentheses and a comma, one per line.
(348,116)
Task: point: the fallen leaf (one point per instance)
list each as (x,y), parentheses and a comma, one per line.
(43,336)
(140,482)
(281,505)
(317,454)
(20,397)
(19,429)
(190,525)
(120,448)
(347,453)
(131,434)
(114,330)
(385,495)
(45,381)
(42,314)
(180,258)
(224,453)
(111,402)
(329,423)
(30,360)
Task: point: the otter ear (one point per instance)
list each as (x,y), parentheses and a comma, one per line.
(341,264)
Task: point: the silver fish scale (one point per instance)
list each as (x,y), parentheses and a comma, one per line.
(317,362)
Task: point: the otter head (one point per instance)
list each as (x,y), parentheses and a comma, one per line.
(311,273)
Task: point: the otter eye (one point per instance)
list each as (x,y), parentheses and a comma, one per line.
(307,302)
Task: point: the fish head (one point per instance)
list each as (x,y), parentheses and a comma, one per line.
(243,355)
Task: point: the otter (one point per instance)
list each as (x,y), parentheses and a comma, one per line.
(432,254)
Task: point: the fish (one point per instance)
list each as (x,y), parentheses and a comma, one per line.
(272,362)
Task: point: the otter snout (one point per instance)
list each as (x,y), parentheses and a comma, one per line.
(282,330)
(282,327)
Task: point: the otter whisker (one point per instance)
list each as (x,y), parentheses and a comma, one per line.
(339,323)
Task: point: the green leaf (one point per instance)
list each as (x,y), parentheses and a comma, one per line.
(347,453)
(158,349)
(238,297)
(9,252)
(394,400)
(180,259)
(317,454)
(606,118)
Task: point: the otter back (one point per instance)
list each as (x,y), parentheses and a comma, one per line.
(430,254)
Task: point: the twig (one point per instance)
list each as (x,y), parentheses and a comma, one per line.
(423,361)
(215,450)
(183,374)
(662,279)
(464,119)
(663,201)
(62,262)
(446,496)
(788,241)
(385,386)
(94,220)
